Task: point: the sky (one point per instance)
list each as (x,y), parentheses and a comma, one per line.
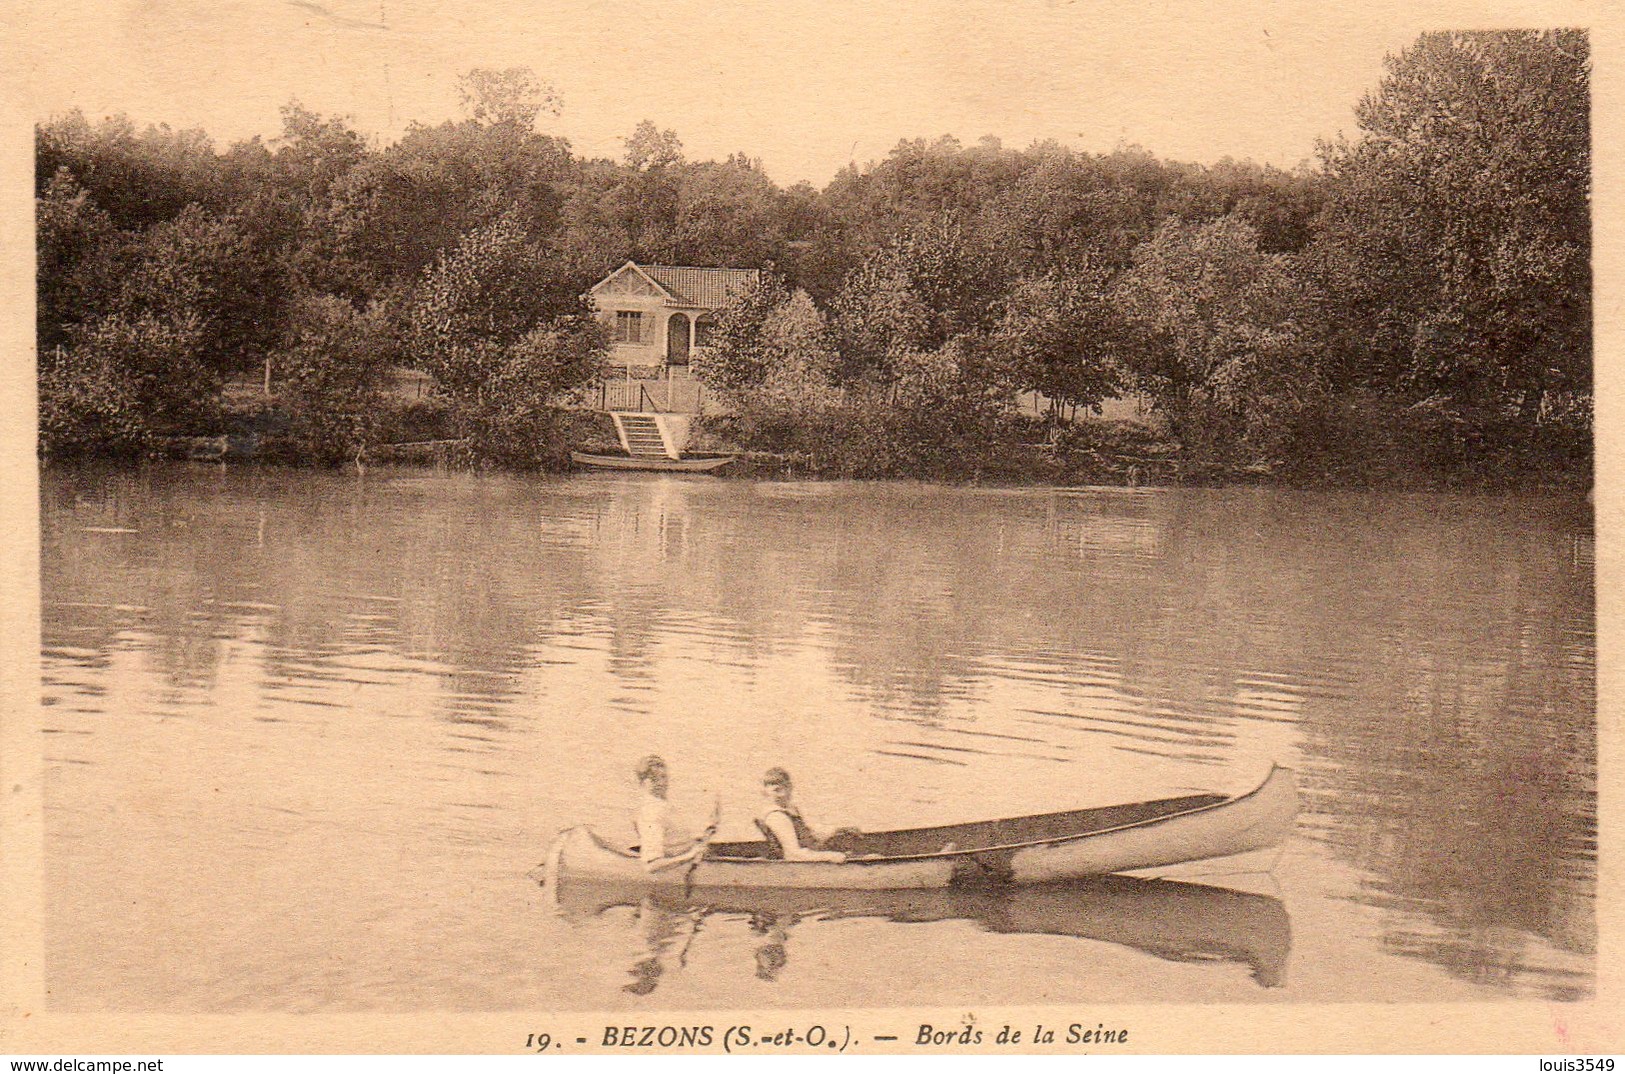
(805,87)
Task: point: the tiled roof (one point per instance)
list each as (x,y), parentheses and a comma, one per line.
(707,288)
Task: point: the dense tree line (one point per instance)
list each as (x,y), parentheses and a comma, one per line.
(1419,302)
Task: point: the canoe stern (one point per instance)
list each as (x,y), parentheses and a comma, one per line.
(1254,821)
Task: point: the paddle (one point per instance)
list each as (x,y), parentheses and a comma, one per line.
(703,843)
(696,917)
(696,853)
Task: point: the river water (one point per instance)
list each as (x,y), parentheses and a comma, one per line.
(307,733)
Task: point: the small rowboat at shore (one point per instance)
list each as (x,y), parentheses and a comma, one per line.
(1020,850)
(686,464)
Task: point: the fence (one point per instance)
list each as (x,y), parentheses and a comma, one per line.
(1128,407)
(675,396)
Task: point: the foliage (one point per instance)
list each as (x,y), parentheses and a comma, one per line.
(476,302)
(934,419)
(122,381)
(200,268)
(86,407)
(915,294)
(1058,335)
(396,211)
(740,353)
(726,214)
(1423,295)
(1457,235)
(517,421)
(502,349)
(73,240)
(138,178)
(332,368)
(650,147)
(513,96)
(1220,334)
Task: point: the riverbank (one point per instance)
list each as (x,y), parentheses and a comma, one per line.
(1017,451)
(1031,453)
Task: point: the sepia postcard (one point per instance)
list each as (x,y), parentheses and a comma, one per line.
(921,528)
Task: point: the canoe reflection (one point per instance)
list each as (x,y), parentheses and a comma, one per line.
(1172,920)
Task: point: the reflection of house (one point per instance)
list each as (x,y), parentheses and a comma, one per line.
(658,316)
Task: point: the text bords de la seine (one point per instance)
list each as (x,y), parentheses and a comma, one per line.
(926,1035)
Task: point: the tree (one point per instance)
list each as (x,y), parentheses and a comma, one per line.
(1456,239)
(771,337)
(124,380)
(518,421)
(389,217)
(727,215)
(513,96)
(919,291)
(1065,211)
(474,303)
(137,178)
(500,342)
(1280,206)
(650,147)
(332,364)
(74,276)
(1220,335)
(741,355)
(1058,336)
(313,152)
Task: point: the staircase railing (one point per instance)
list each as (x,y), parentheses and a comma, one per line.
(684,396)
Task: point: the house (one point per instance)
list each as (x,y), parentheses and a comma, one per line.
(658,316)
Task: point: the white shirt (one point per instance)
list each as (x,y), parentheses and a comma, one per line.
(654,820)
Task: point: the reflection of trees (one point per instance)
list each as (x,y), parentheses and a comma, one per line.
(909,589)
(1451,720)
(100,576)
(1433,655)
(324,569)
(1464,780)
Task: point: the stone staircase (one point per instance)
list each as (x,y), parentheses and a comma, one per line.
(640,435)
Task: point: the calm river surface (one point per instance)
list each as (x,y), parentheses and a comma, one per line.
(306,733)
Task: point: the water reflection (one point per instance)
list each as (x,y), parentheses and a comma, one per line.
(666,931)
(502,649)
(1172,920)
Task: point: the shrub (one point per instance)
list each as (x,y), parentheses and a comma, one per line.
(122,382)
(333,364)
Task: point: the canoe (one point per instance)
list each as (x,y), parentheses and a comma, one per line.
(686,464)
(1172,920)
(1020,850)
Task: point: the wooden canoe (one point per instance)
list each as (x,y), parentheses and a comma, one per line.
(686,464)
(1020,850)
(1176,921)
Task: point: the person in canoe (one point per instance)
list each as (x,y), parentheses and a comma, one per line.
(654,822)
(788,834)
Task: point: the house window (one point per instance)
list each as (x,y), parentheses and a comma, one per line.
(702,331)
(628,327)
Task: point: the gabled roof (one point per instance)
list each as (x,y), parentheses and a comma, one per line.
(682,285)
(707,288)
